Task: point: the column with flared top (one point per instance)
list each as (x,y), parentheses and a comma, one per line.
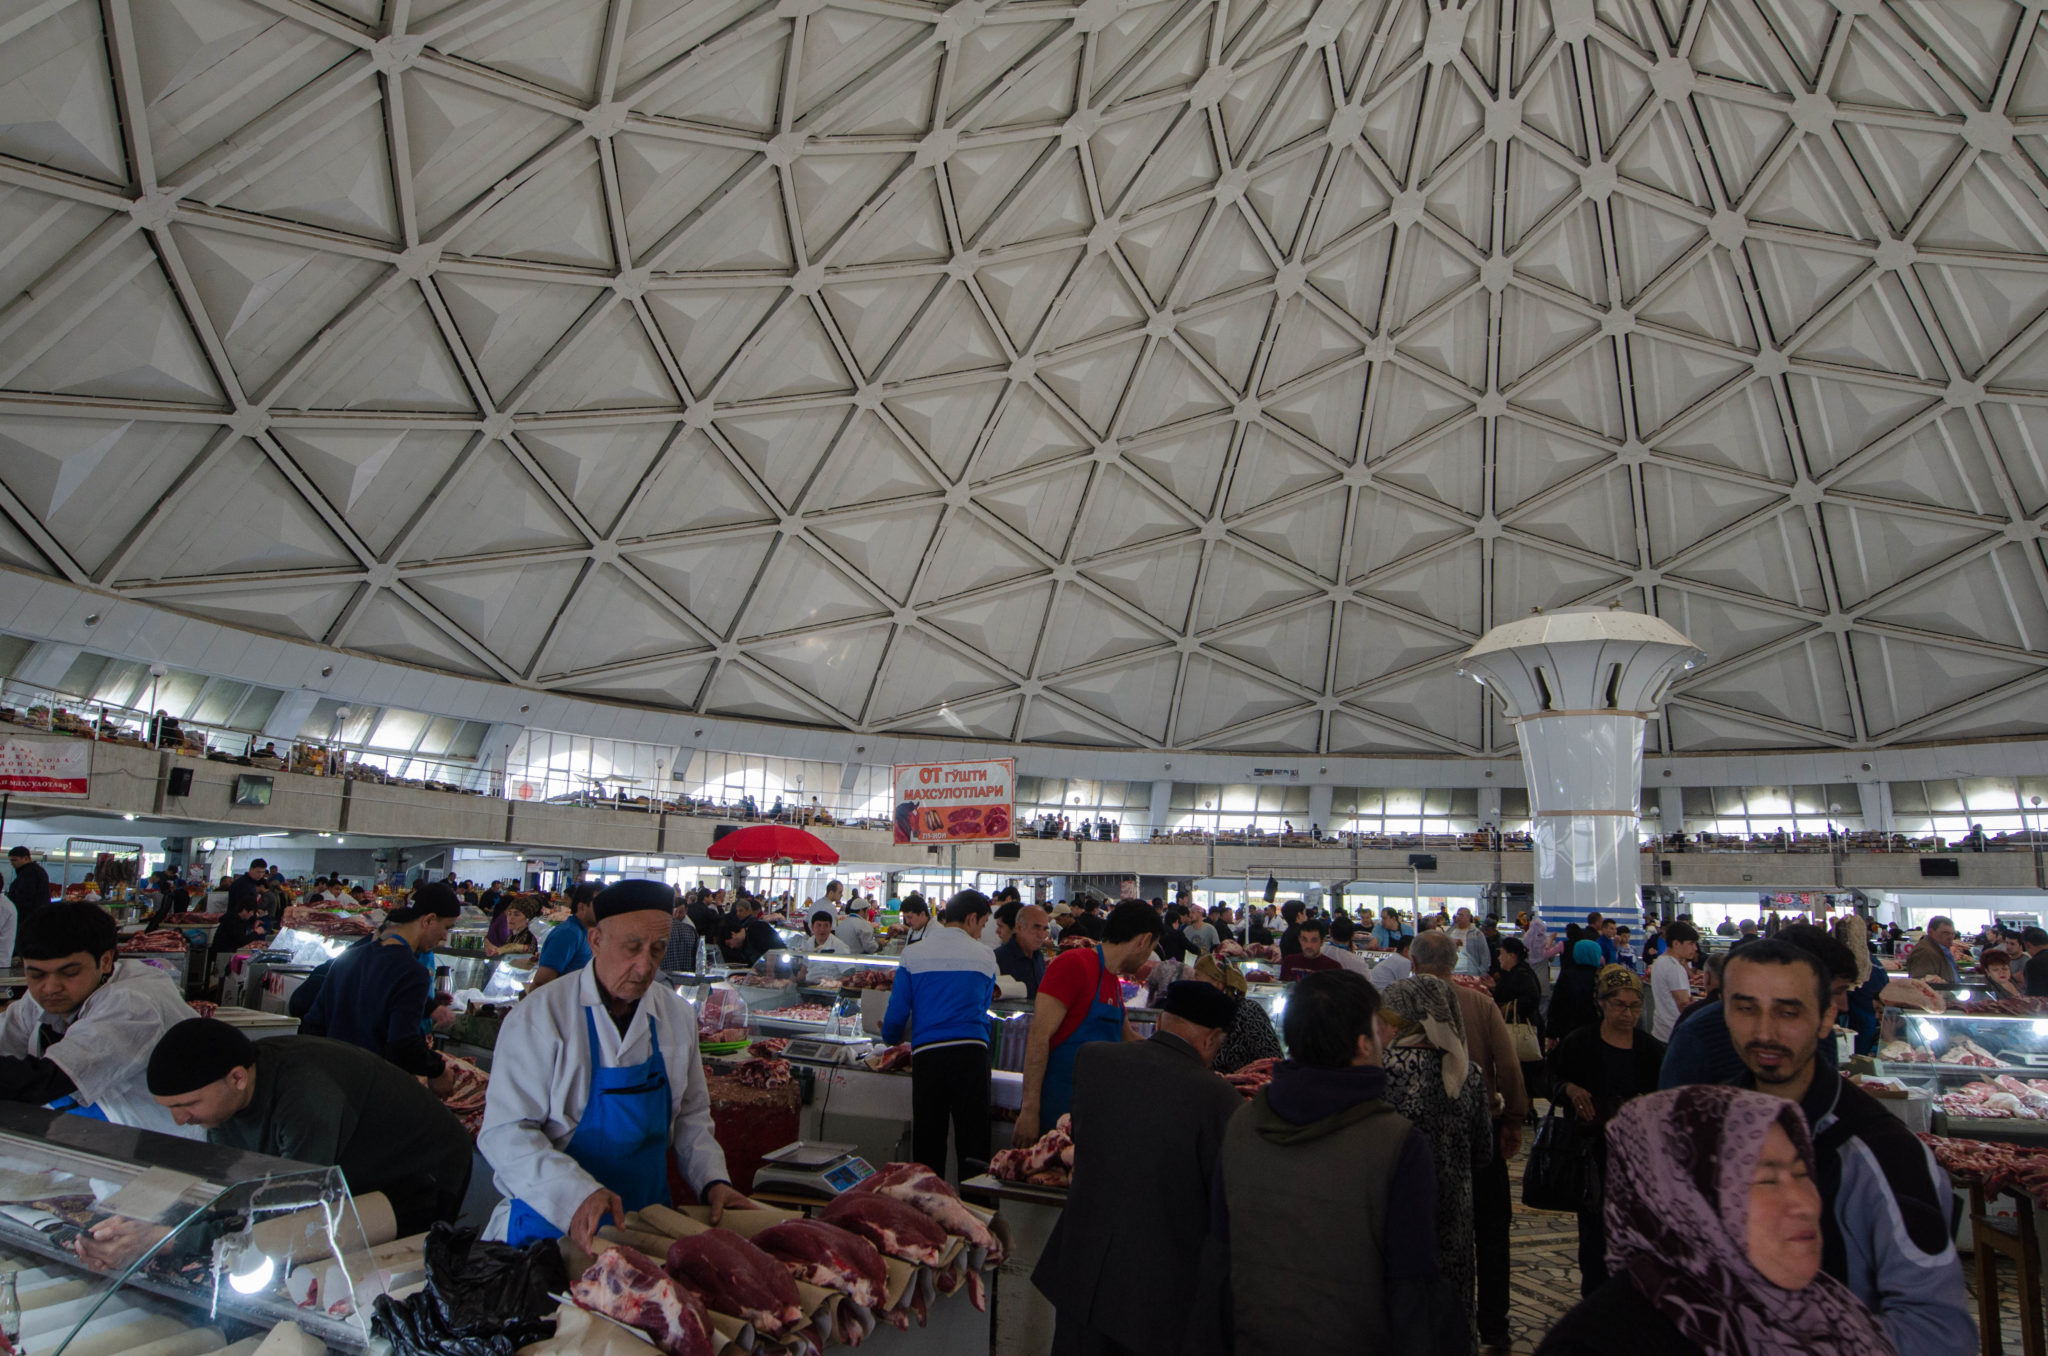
(1579,686)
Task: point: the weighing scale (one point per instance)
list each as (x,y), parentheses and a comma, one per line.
(812,1168)
(820,1050)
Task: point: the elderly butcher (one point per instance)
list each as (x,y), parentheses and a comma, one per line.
(596,1080)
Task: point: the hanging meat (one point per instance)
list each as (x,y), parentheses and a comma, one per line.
(626,1285)
(896,1229)
(730,1275)
(919,1187)
(828,1256)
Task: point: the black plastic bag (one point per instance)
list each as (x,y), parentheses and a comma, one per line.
(480,1299)
(1560,1173)
(486,1286)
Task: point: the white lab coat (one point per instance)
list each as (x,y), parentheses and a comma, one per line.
(834,946)
(540,1083)
(858,934)
(107,1042)
(9,917)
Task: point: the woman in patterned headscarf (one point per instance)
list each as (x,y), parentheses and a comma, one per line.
(1714,1233)
(1595,1069)
(1432,1082)
(1251,1036)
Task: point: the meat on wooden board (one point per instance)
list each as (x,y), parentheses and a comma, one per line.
(828,1256)
(626,1285)
(730,1275)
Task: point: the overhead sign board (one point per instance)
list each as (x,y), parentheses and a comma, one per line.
(956,802)
(45,767)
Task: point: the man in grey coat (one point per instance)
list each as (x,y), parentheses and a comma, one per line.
(1149,1118)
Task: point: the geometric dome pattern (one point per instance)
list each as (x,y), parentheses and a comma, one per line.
(1185,375)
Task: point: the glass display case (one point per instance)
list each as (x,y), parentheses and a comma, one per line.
(124,1241)
(1984,1074)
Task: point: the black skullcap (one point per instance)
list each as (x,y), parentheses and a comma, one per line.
(195,1052)
(1193,1000)
(634,896)
(435,897)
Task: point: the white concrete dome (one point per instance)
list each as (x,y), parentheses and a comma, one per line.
(1194,375)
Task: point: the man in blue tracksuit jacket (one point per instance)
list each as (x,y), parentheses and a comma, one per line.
(940,1003)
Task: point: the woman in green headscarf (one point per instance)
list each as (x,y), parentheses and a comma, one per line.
(1432,1082)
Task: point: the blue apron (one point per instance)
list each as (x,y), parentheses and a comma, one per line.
(622,1139)
(1104,1022)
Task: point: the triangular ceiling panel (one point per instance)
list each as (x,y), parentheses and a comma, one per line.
(711,578)
(508,609)
(612,620)
(1102,374)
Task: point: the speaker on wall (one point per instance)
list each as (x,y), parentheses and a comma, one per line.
(181,782)
(1008,852)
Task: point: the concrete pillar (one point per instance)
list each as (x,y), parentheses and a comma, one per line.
(1579,687)
(1671,808)
(1489,806)
(46,664)
(1319,798)
(1877,805)
(290,715)
(1162,799)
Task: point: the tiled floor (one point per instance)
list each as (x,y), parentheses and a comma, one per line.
(1544,1282)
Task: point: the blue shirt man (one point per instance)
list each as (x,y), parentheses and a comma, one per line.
(567,948)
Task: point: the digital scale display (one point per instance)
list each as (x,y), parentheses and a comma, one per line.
(849,1174)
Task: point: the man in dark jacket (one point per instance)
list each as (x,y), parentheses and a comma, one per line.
(1149,1117)
(29,891)
(1318,1154)
(249,891)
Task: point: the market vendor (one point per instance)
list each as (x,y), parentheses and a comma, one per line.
(375,995)
(567,948)
(1080,999)
(822,940)
(80,1036)
(518,917)
(318,1101)
(916,916)
(243,923)
(596,1082)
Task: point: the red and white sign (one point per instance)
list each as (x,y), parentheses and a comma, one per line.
(44,767)
(956,802)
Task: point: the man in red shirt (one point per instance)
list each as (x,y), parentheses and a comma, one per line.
(1079,1000)
(1313,933)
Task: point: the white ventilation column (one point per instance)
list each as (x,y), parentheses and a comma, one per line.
(1579,686)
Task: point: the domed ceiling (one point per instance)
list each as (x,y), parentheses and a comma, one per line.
(1195,374)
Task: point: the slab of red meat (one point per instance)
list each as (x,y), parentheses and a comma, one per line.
(896,1229)
(626,1285)
(731,1275)
(919,1187)
(828,1256)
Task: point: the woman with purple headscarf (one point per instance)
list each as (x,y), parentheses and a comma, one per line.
(1714,1238)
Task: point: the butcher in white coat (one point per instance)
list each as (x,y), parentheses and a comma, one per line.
(595,1080)
(79,1038)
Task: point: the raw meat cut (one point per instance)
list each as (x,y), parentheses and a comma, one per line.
(919,1187)
(626,1285)
(828,1256)
(1049,1162)
(889,1059)
(1253,1076)
(732,1276)
(898,1230)
(765,1073)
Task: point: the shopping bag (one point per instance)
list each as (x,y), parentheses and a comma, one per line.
(1560,1165)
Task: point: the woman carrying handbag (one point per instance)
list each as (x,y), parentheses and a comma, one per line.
(1521,1005)
(1594,1071)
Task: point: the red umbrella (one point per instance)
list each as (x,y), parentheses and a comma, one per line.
(774,843)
